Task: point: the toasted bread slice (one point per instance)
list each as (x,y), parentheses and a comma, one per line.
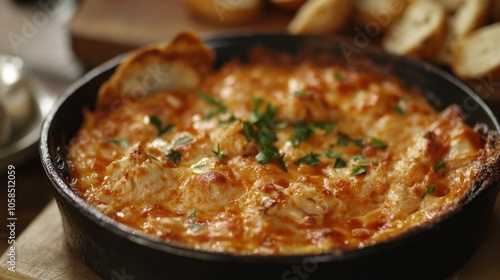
(419,32)
(289,5)
(226,11)
(469,16)
(381,12)
(320,17)
(178,65)
(477,55)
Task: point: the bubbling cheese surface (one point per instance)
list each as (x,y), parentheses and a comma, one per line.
(357,160)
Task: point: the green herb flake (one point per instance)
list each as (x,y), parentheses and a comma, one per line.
(229,120)
(152,157)
(302,132)
(248,130)
(358,170)
(218,153)
(343,140)
(339,163)
(221,108)
(156,122)
(439,165)
(430,189)
(260,127)
(122,143)
(311,159)
(174,156)
(198,166)
(182,140)
(338,76)
(192,215)
(379,144)
(358,142)
(399,110)
(257,102)
(333,154)
(300,93)
(326,126)
(361,159)
(281,162)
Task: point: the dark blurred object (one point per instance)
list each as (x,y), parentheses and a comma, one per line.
(29,2)
(101,30)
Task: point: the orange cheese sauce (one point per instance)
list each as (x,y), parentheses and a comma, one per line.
(387,163)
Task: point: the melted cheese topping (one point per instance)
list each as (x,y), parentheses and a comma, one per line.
(414,163)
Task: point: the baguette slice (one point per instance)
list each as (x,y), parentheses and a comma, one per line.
(477,54)
(178,65)
(226,11)
(289,5)
(419,33)
(471,15)
(381,12)
(320,17)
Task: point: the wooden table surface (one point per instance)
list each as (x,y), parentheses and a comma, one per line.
(97,32)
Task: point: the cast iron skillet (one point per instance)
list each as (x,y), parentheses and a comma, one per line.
(114,250)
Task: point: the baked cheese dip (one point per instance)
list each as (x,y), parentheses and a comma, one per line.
(273,155)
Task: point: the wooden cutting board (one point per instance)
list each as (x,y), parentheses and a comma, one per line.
(42,253)
(101,30)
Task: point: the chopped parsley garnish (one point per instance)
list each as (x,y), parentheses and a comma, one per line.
(156,122)
(152,157)
(122,143)
(300,93)
(248,130)
(343,140)
(339,163)
(309,159)
(379,144)
(218,153)
(174,156)
(230,120)
(358,170)
(302,132)
(192,215)
(333,154)
(325,126)
(257,102)
(183,140)
(360,159)
(260,127)
(220,108)
(281,162)
(358,142)
(338,76)
(430,189)
(439,165)
(399,110)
